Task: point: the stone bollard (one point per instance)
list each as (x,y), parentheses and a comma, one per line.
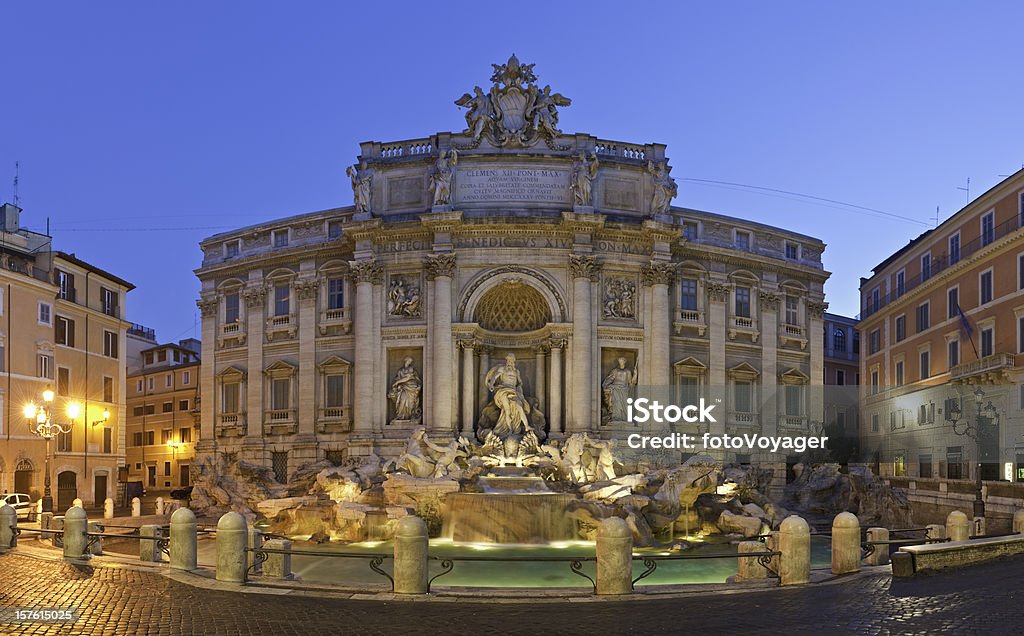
(45,521)
(232,539)
(136,507)
(978,527)
(184,539)
(614,557)
(278,564)
(8,523)
(255,541)
(958,528)
(1018,522)
(935,532)
(76,525)
(149,545)
(39,508)
(97,544)
(750,568)
(880,554)
(159,505)
(845,543)
(411,545)
(77,503)
(108,508)
(795,545)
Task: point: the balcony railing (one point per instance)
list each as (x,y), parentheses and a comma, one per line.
(742,417)
(232,425)
(689,319)
(335,318)
(280,415)
(335,419)
(940,263)
(993,364)
(282,324)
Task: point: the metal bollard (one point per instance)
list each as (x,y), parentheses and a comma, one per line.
(411,542)
(935,532)
(1018,522)
(136,507)
(76,525)
(845,543)
(614,557)
(880,554)
(278,564)
(958,528)
(108,508)
(750,568)
(149,545)
(255,541)
(232,540)
(795,545)
(8,524)
(184,540)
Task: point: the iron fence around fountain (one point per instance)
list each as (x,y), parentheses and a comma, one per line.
(261,553)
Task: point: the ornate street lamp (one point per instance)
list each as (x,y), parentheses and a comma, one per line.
(976,431)
(174,446)
(41,423)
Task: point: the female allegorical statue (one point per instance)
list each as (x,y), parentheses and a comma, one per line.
(405,392)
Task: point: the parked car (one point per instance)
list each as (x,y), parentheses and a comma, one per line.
(182,494)
(21,503)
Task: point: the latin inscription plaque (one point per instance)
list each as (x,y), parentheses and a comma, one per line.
(512,185)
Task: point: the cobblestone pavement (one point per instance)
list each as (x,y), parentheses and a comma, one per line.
(117,600)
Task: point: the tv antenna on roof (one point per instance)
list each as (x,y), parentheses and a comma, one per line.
(17,168)
(967,189)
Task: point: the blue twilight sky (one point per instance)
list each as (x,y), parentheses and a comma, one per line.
(143,127)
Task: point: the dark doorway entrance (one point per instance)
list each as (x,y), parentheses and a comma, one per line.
(23,481)
(67,491)
(101,489)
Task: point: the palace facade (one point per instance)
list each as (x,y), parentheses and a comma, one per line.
(338,333)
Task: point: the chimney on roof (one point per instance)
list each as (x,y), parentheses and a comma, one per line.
(10,217)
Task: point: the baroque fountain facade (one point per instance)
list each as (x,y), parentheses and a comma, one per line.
(461,342)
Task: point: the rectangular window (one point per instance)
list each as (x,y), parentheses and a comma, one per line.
(169,380)
(282,307)
(229,397)
(743,400)
(743,241)
(280,238)
(137,439)
(874,341)
(953,353)
(65,331)
(690,230)
(110,344)
(954,249)
(954,457)
(926,365)
(333,230)
(138,411)
(794,401)
(279,462)
(167,469)
(150,438)
(987,342)
(108,301)
(924,469)
(231,308)
(150,409)
(899,373)
(64,443)
(150,383)
(839,340)
(185,435)
(65,285)
(138,385)
(186,377)
(953,302)
(901,328)
(985,287)
(63,381)
(923,317)
(280,394)
(856,342)
(151,471)
(926,267)
(988,228)
(926,414)
(689,390)
(167,407)
(335,293)
(792,251)
(874,423)
(231,249)
(149,357)
(875,298)
(899,468)
(334,390)
(182,405)
(44,366)
(108,389)
(44,314)
(840,377)
(161,355)
(688,294)
(901,283)
(1020,271)
(792,303)
(743,302)
(108,440)
(165,436)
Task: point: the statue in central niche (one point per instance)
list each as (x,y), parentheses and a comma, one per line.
(511,426)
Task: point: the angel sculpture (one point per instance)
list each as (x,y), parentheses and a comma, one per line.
(542,110)
(480,113)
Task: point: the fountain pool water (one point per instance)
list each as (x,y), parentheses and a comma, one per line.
(524,573)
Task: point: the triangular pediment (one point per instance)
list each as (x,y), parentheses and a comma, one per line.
(232,372)
(690,364)
(744,371)
(280,367)
(794,376)
(334,363)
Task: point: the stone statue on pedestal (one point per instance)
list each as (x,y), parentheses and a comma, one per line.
(441,179)
(584,171)
(616,388)
(405,393)
(511,425)
(665,188)
(360,188)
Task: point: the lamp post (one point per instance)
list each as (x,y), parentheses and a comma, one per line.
(974,431)
(41,423)
(173,445)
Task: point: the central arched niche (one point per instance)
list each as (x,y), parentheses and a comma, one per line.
(512,307)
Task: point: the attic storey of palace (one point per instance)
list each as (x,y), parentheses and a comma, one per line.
(509,237)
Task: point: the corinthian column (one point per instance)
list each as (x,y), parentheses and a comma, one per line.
(555,395)
(583,269)
(365,273)
(539,382)
(209,307)
(468,386)
(440,268)
(658,275)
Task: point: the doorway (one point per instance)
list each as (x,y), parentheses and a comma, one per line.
(67,490)
(100,485)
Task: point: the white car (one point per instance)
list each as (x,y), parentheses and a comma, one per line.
(21,503)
